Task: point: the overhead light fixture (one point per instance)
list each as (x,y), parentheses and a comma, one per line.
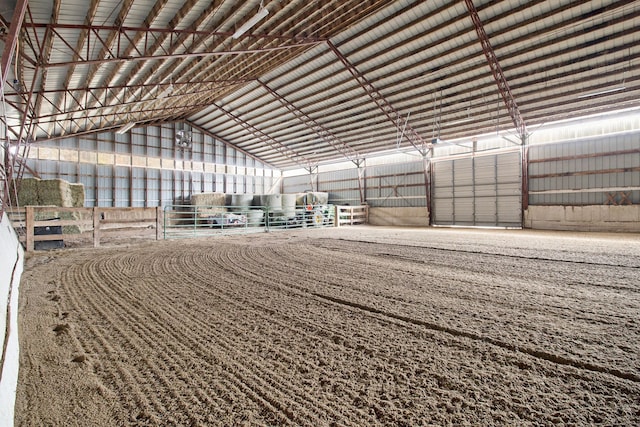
(262,12)
(124,129)
(457,122)
(603,92)
(462,120)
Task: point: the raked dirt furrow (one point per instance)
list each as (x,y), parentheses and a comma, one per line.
(309,328)
(155,331)
(141,400)
(563,330)
(125,329)
(235,256)
(175,331)
(280,359)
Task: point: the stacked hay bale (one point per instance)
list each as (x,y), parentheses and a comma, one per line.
(241,200)
(272,203)
(53,192)
(208,206)
(312,198)
(289,202)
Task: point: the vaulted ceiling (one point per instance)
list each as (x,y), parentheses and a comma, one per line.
(313,81)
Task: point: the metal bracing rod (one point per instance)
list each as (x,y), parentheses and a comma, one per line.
(12,38)
(320,130)
(218,83)
(87,61)
(498,75)
(148,32)
(122,38)
(392,114)
(278,146)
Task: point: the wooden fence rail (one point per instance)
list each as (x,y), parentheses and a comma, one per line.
(73,221)
(70,223)
(352,215)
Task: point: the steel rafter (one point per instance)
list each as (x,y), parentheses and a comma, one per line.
(389,111)
(328,136)
(498,75)
(263,137)
(12,37)
(124,39)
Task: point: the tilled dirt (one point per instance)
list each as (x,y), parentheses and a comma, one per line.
(356,326)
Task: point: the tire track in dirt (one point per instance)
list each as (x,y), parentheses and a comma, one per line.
(573,316)
(629,261)
(235,256)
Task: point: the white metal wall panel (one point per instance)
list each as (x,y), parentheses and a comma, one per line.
(597,171)
(478,191)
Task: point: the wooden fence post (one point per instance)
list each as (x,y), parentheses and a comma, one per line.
(96,227)
(28,225)
(159,222)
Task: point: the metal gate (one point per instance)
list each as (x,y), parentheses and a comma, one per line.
(481,190)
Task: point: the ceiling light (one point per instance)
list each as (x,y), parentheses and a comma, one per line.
(457,122)
(262,12)
(124,129)
(603,92)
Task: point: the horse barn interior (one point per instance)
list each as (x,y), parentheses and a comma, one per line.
(320,213)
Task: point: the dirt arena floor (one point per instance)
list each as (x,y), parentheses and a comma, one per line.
(358,326)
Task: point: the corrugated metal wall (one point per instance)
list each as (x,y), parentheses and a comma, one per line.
(384,185)
(396,185)
(594,171)
(144,168)
(478,190)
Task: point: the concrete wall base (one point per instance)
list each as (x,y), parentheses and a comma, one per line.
(584,218)
(407,217)
(11,266)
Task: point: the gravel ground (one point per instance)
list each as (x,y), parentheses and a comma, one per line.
(352,326)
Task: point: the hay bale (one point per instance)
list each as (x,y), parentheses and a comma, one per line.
(208,204)
(312,198)
(241,200)
(54,192)
(77,195)
(289,205)
(273,202)
(28,194)
(208,199)
(50,192)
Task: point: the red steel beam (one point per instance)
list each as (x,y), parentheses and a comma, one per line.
(147,31)
(392,114)
(328,136)
(86,61)
(498,75)
(12,38)
(276,145)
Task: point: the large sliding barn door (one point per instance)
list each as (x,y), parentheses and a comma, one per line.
(478,191)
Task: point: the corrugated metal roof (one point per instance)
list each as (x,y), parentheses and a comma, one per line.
(283,93)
